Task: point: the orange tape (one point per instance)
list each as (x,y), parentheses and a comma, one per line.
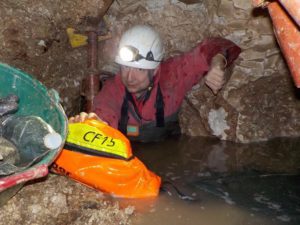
(292,6)
(288,37)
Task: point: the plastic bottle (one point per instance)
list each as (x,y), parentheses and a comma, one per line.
(32,136)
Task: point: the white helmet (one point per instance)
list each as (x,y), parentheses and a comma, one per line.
(140,47)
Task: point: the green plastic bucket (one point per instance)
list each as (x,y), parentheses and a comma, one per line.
(35,100)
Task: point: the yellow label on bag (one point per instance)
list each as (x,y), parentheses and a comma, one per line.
(93,138)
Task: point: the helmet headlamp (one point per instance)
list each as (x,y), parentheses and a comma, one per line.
(130,54)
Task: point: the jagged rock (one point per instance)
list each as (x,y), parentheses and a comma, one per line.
(59,200)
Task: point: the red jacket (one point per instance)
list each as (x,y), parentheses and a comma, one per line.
(176,77)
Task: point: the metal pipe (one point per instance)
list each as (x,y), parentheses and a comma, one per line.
(285,15)
(91,89)
(92,50)
(91,83)
(293,8)
(288,37)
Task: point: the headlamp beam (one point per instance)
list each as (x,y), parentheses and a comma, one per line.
(130,54)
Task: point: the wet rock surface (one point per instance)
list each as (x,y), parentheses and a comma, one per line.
(255,112)
(59,200)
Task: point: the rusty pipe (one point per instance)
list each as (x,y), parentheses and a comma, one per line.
(292,7)
(91,88)
(285,16)
(92,50)
(288,37)
(91,83)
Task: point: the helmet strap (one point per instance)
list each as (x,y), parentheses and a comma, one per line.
(145,93)
(151,79)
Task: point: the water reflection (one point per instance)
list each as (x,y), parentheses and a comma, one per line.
(200,155)
(256,183)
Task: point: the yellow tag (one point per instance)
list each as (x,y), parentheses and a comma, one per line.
(90,137)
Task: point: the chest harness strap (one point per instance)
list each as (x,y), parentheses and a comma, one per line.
(159,105)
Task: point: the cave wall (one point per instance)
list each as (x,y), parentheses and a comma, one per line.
(33,38)
(258,102)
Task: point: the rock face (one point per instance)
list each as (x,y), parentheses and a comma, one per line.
(59,200)
(259,101)
(258,111)
(33,38)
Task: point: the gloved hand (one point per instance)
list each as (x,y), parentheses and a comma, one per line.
(215,77)
(83,116)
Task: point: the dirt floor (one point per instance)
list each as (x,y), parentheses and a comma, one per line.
(59,200)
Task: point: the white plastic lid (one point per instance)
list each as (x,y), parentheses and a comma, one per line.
(52,140)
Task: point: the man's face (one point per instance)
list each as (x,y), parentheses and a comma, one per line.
(135,79)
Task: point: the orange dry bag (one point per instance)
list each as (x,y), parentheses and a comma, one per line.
(100,156)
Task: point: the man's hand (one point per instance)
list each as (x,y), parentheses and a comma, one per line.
(83,116)
(215,77)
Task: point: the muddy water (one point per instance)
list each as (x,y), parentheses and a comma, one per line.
(230,183)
